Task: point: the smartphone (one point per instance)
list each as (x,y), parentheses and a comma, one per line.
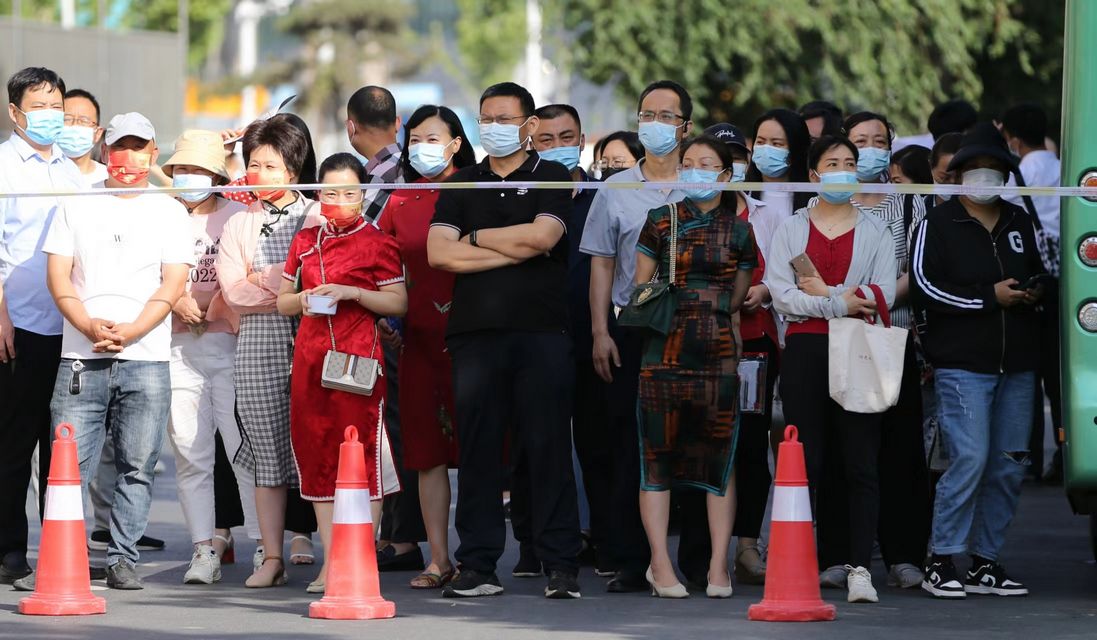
(1035,281)
(803,266)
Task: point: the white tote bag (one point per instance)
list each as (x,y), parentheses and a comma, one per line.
(866,361)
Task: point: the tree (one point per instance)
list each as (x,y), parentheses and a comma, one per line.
(491,36)
(739,57)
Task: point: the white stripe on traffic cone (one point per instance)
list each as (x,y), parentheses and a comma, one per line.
(791,504)
(64,502)
(352,507)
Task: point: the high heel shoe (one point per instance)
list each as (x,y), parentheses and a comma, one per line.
(716,591)
(675,591)
(279,579)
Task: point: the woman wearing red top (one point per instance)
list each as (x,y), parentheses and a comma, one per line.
(848,248)
(358,268)
(434,147)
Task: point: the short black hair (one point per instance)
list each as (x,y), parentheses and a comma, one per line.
(630,139)
(723,150)
(31,78)
(914,161)
(825,143)
(683,96)
(551,111)
(946,144)
(868,116)
(341,162)
(1027,121)
(289,141)
(464,157)
(511,90)
(81,93)
(828,111)
(372,106)
(954,116)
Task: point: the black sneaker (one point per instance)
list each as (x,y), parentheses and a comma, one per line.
(528,565)
(13,568)
(123,575)
(473,584)
(990,579)
(942,581)
(562,585)
(100,540)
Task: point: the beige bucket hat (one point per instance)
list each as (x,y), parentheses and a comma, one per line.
(199,148)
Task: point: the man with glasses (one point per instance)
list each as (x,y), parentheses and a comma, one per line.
(508,337)
(610,236)
(81,134)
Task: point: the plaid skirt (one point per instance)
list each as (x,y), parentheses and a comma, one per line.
(264,354)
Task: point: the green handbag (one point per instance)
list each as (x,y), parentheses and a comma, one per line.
(652,305)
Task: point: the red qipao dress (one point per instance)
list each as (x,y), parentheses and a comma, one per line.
(359,256)
(426,377)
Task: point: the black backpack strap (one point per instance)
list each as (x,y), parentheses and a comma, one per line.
(1030,208)
(908,211)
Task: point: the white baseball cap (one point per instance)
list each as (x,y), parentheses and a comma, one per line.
(129,124)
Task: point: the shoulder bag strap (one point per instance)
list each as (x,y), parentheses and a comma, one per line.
(324,280)
(673,243)
(881,305)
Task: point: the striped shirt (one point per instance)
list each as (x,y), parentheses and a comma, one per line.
(890,211)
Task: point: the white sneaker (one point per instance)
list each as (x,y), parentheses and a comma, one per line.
(834,577)
(905,576)
(205,566)
(860,585)
(257,558)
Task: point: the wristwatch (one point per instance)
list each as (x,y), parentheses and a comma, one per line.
(472,238)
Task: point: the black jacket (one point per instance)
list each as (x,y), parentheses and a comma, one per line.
(954,265)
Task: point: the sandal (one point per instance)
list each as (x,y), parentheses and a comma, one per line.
(228,554)
(749,566)
(278,580)
(306,557)
(427,580)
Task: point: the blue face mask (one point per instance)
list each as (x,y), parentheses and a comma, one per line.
(699,176)
(567,156)
(771,161)
(658,138)
(197,184)
(738,172)
(871,162)
(44,125)
(428,159)
(76,141)
(837,177)
(500,140)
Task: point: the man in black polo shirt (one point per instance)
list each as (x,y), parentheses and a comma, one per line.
(508,337)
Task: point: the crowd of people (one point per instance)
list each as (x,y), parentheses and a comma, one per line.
(503,332)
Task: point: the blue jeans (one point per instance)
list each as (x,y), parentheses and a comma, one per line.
(985,420)
(133,397)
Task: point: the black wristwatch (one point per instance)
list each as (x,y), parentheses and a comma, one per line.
(472,238)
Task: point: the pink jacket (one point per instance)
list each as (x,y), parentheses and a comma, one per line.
(238,245)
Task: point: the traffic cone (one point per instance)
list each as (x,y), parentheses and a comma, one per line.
(792,572)
(63,586)
(352,588)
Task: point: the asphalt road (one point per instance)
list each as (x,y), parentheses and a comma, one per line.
(1048,548)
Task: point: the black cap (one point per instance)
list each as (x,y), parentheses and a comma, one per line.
(983,139)
(728,134)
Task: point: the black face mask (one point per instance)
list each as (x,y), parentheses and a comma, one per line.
(606,173)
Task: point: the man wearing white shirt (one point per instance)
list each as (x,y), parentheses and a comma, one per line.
(117,265)
(30,326)
(81,134)
(1024,126)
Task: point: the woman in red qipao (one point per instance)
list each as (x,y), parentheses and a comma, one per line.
(358,268)
(434,147)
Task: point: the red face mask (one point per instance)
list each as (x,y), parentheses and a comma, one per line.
(129,167)
(341,214)
(269,196)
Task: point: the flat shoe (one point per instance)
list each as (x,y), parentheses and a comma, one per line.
(307,557)
(315,587)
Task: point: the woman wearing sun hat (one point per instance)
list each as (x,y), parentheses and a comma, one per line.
(202,353)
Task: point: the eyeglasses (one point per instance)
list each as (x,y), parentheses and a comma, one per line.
(501,119)
(82,121)
(666,117)
(615,163)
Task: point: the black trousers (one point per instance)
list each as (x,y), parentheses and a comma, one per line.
(521,381)
(841,450)
(227,511)
(905,511)
(26,387)
(752,475)
(1048,380)
(401,515)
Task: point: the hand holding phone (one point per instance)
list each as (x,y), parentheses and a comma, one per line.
(803,266)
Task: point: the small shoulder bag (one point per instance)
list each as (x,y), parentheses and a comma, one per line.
(346,371)
(652,305)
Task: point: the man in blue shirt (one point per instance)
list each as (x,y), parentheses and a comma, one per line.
(30,325)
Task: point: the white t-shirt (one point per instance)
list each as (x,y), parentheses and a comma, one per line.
(118,246)
(1041,169)
(95,179)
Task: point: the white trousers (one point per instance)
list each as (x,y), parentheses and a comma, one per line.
(203,402)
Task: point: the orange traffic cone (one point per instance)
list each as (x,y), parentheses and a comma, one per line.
(63,586)
(792,573)
(352,588)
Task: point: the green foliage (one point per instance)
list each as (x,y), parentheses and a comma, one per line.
(739,57)
(491,36)
(206,22)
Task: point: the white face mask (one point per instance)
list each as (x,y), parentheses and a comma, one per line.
(983,178)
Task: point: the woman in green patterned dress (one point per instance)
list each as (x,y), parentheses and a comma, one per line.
(689,387)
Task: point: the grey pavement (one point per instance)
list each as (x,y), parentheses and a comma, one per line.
(1048,548)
